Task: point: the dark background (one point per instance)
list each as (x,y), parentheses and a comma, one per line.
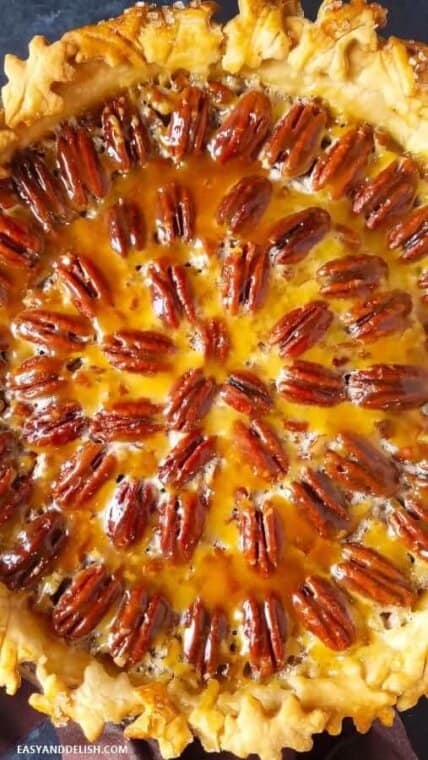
(21,20)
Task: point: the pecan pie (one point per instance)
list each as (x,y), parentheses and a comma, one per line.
(214,368)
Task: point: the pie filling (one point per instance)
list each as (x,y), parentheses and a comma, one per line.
(214,441)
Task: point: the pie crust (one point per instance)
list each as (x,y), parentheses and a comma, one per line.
(340,60)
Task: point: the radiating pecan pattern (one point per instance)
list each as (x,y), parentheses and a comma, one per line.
(35,377)
(175,214)
(79,166)
(245,203)
(296,139)
(368,573)
(310,383)
(301,328)
(244,276)
(129,511)
(172,297)
(55,424)
(351,276)
(40,190)
(126,421)
(388,386)
(203,636)
(139,620)
(245,392)
(265,627)
(83,475)
(187,128)
(85,284)
(125,136)
(244,129)
(142,351)
(214,338)
(411,235)
(189,400)
(181,523)
(362,466)
(292,238)
(59,332)
(261,533)
(83,604)
(322,611)
(261,448)
(342,165)
(126,227)
(411,525)
(188,457)
(19,245)
(383,314)
(320,501)
(388,195)
(35,548)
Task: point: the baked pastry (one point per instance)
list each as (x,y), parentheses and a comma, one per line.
(214,432)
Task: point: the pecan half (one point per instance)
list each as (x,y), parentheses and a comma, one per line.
(320,501)
(188,124)
(265,627)
(83,604)
(310,383)
(292,238)
(244,129)
(15,492)
(142,351)
(126,421)
(342,165)
(138,621)
(384,314)
(35,377)
(83,475)
(411,235)
(85,284)
(59,332)
(214,338)
(411,525)
(296,139)
(261,448)
(246,393)
(203,636)
(35,548)
(188,457)
(19,245)
(54,425)
(129,511)
(175,214)
(245,203)
(322,611)
(181,523)
(261,534)
(79,166)
(389,194)
(189,400)
(301,328)
(125,136)
(423,285)
(40,190)
(244,276)
(364,571)
(362,468)
(388,386)
(172,297)
(351,276)
(126,227)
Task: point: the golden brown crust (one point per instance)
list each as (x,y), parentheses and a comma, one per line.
(341,58)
